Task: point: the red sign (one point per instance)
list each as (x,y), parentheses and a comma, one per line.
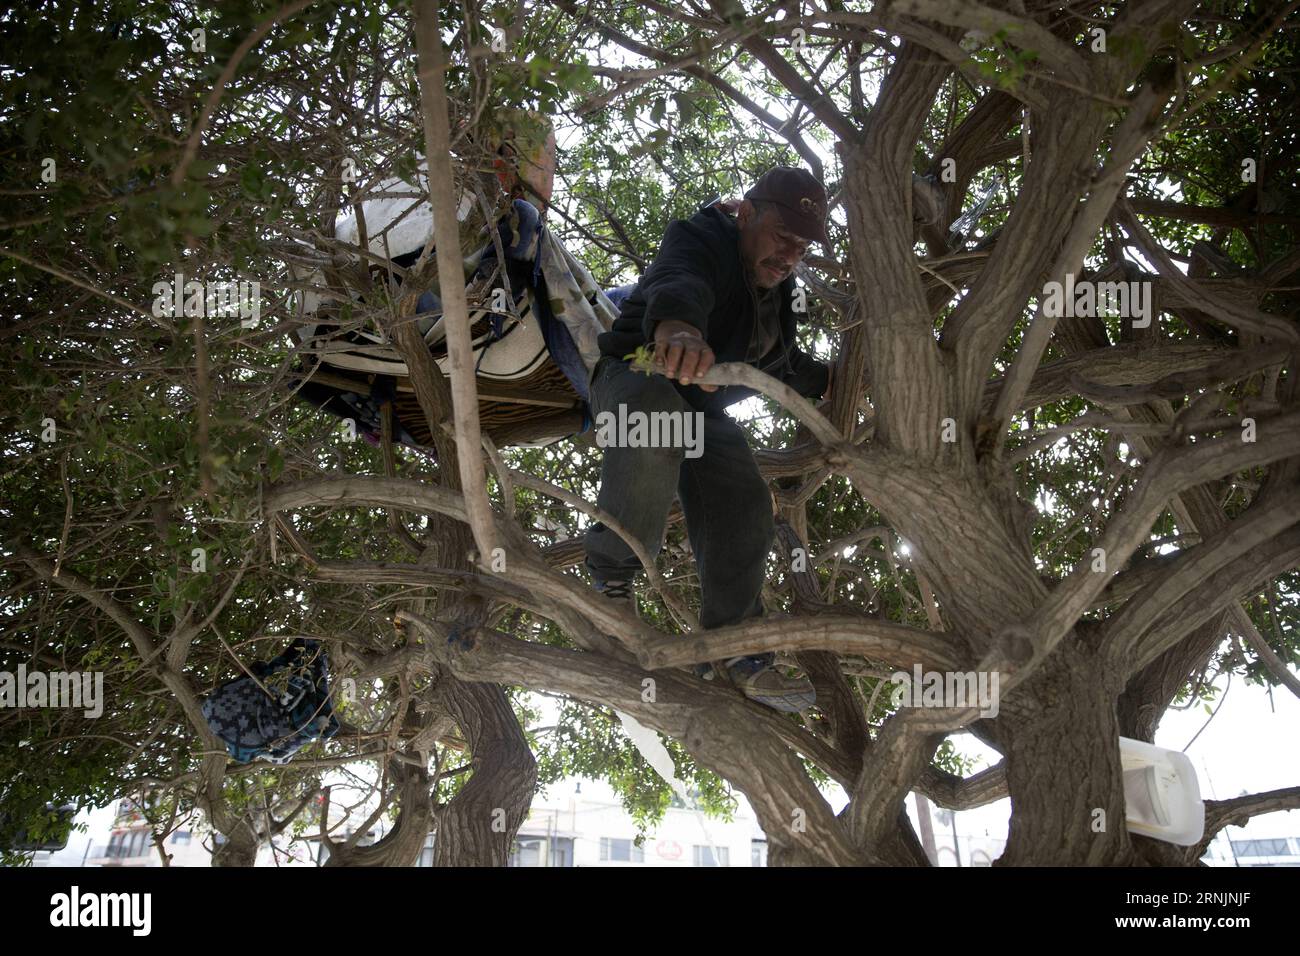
(668,850)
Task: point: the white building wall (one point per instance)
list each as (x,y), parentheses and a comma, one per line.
(591,813)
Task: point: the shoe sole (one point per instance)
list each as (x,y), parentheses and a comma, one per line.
(789,704)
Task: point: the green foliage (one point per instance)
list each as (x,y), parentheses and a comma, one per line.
(590,743)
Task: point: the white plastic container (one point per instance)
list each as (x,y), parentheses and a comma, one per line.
(1161,793)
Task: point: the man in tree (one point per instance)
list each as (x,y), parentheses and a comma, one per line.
(719,290)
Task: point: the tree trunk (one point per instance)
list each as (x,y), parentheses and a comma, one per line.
(400,846)
(240,848)
(1063,764)
(477,827)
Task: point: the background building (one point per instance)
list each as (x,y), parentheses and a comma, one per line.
(581,823)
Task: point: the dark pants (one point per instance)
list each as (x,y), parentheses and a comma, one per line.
(727,503)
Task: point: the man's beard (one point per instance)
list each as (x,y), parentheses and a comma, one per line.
(756,277)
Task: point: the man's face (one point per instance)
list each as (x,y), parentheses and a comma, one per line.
(769,250)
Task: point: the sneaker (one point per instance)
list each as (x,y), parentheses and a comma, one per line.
(619,592)
(761,681)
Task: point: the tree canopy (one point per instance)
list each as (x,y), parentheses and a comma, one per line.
(1097,502)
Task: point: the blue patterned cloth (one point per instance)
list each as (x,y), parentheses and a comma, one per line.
(276,715)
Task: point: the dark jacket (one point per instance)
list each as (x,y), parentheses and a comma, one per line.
(698,277)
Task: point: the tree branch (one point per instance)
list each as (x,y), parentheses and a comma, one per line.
(951,792)
(1167,473)
(1238,811)
(1237,541)
(895,644)
(707,720)
(1021,31)
(1219,590)
(437,151)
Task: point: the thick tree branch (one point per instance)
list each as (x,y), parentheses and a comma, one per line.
(1135,131)
(1170,471)
(898,645)
(1238,811)
(1219,590)
(761,764)
(1236,542)
(957,793)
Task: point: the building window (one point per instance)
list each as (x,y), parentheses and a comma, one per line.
(426,853)
(129,844)
(758,853)
(528,852)
(181,836)
(711,856)
(1261,847)
(621,851)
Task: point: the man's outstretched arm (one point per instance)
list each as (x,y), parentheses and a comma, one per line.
(679,295)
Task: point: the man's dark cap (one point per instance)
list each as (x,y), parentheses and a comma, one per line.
(800,198)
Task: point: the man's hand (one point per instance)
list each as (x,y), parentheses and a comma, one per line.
(682,351)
